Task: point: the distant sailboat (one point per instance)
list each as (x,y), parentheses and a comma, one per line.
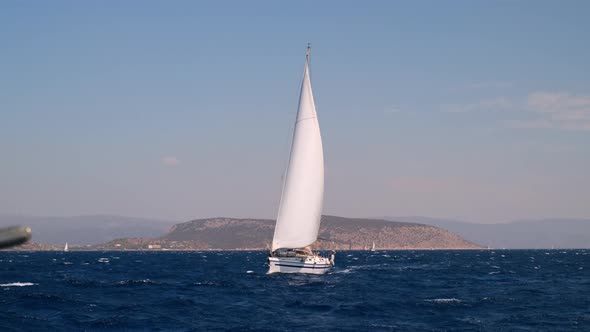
(66,247)
(373,247)
(300,211)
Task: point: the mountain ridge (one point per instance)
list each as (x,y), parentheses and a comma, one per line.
(335,233)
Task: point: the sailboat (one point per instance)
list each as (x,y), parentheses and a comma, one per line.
(300,210)
(66,247)
(373,247)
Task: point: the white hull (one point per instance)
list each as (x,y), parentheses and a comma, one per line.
(309,264)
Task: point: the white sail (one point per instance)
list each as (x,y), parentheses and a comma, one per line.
(66,247)
(300,211)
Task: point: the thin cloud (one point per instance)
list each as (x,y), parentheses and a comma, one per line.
(170,161)
(530,124)
(560,110)
(482,85)
(495,104)
(537,110)
(537,145)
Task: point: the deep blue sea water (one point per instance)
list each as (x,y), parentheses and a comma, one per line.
(488,290)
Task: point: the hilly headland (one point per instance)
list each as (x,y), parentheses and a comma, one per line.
(335,233)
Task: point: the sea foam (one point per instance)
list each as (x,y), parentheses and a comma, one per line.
(18,284)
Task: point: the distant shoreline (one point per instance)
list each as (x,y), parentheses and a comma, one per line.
(264,250)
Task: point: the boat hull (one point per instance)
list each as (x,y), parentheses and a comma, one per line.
(309,265)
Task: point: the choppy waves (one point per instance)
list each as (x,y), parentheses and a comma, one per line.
(483,290)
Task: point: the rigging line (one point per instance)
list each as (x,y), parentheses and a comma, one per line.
(308,118)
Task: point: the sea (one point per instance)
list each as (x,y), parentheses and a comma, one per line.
(429,290)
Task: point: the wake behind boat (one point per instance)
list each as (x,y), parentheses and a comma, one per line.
(300,210)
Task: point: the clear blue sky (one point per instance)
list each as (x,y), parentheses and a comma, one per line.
(478,110)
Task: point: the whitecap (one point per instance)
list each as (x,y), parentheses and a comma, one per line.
(249,271)
(18,284)
(146,281)
(206,283)
(383,325)
(343,271)
(127,282)
(451,300)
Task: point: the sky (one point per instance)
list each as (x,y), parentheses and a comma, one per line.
(474,110)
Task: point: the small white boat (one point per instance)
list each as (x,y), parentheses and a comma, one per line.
(373,247)
(66,247)
(300,211)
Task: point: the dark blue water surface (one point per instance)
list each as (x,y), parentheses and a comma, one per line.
(502,290)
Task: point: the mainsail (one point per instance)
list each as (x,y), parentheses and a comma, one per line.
(300,211)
